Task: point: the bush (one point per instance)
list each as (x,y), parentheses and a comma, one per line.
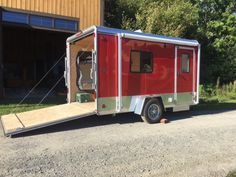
(221,93)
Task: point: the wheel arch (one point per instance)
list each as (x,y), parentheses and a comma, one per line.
(140,102)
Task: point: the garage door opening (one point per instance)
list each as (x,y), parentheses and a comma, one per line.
(28,54)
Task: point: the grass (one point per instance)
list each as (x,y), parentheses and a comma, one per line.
(206,104)
(220,93)
(217,97)
(9,105)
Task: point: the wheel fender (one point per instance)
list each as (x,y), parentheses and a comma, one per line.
(137,104)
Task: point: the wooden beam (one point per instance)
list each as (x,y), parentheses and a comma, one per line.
(1,58)
(102,10)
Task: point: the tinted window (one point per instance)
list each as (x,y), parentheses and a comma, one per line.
(66,24)
(14,17)
(41,21)
(185,64)
(141,62)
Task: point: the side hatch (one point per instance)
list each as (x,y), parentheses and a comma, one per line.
(81,67)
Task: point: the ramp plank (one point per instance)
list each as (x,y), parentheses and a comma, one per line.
(24,121)
(11,123)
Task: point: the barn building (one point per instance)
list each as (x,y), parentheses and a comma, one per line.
(33,35)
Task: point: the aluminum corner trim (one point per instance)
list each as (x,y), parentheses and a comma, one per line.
(68,72)
(175,74)
(198,72)
(119,101)
(81,34)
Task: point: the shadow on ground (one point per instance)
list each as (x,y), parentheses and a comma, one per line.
(201,109)
(124,118)
(86,122)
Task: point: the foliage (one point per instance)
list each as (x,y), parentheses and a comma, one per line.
(219,93)
(217,34)
(118,11)
(171,18)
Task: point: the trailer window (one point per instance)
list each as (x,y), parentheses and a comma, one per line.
(141,62)
(185,64)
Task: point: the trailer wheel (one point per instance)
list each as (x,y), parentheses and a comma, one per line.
(152,111)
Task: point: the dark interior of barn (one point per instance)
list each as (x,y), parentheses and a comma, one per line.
(28,54)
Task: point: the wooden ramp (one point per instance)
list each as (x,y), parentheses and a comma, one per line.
(31,120)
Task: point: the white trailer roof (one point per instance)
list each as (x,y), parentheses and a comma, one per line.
(145,36)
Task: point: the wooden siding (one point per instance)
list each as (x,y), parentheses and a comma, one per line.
(89,12)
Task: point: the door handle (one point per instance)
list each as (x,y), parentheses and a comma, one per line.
(178,73)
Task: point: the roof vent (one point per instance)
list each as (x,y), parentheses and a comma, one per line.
(138,31)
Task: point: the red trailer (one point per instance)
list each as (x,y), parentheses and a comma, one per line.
(134,72)
(126,71)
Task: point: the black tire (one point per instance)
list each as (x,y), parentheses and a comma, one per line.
(152,111)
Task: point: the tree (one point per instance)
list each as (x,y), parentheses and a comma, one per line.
(222,36)
(216,33)
(117,11)
(112,14)
(165,17)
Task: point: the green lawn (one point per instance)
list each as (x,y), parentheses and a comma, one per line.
(8,105)
(215,105)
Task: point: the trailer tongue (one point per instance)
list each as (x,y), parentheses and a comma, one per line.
(22,122)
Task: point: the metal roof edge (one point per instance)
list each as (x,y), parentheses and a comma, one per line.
(149,37)
(134,35)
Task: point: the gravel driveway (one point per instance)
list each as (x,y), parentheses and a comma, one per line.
(194,144)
